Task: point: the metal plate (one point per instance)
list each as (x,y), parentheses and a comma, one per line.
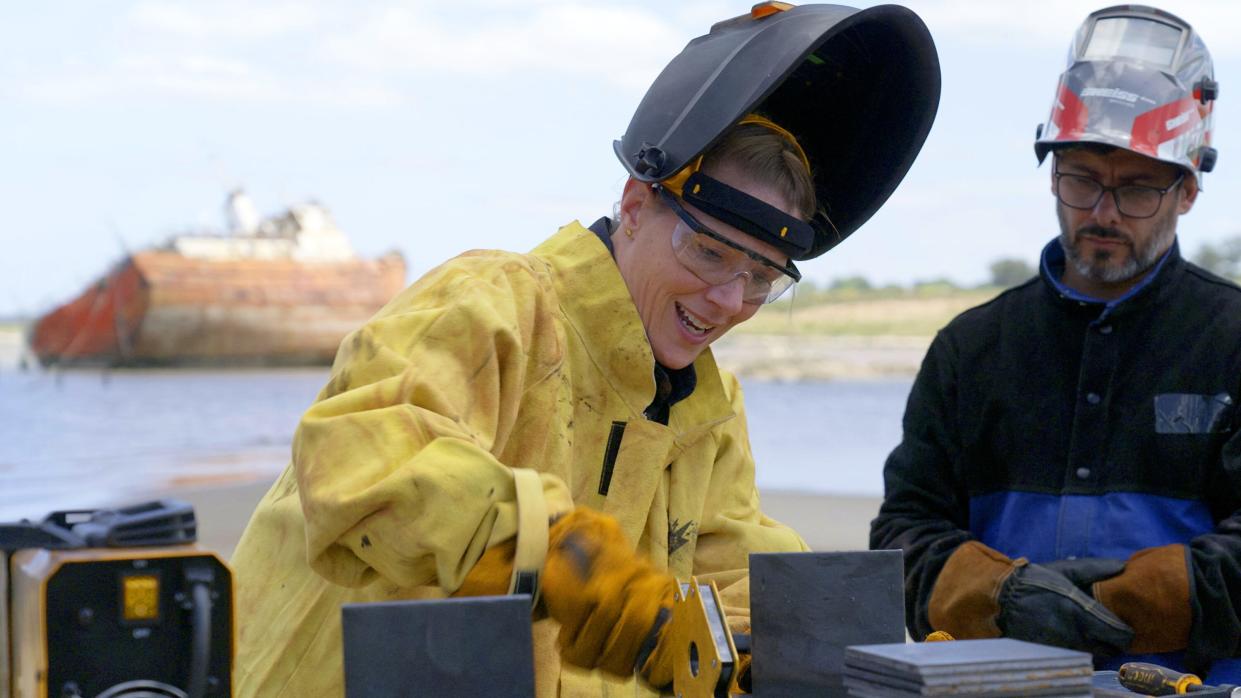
(441,648)
(946,662)
(806,608)
(704,648)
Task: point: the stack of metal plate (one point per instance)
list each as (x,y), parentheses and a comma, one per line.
(990,668)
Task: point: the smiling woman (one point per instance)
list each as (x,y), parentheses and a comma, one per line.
(718,274)
(554,423)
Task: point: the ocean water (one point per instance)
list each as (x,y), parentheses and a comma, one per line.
(73,439)
(830,437)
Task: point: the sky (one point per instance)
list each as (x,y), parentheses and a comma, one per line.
(436,127)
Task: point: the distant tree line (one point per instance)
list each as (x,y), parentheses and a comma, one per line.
(1223,258)
(1004,274)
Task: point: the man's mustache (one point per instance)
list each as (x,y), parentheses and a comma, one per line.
(1098,231)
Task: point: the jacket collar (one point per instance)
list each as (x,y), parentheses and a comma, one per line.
(1148,290)
(672,385)
(597,304)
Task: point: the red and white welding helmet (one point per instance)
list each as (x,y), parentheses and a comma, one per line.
(1138,78)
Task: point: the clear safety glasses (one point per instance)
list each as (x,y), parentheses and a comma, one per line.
(1132,200)
(717,260)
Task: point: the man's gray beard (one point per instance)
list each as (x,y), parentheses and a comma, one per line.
(1143,257)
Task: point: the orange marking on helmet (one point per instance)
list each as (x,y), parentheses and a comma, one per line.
(766,9)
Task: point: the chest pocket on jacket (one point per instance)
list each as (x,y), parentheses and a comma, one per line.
(1191,413)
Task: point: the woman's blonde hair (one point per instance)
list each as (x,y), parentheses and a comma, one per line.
(769,158)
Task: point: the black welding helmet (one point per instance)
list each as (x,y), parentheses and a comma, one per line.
(856,89)
(1141,79)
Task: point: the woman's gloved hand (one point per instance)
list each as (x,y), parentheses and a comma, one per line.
(982,593)
(612,605)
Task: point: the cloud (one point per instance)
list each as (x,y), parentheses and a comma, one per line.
(554,39)
(224,21)
(350,55)
(195,76)
(1052,22)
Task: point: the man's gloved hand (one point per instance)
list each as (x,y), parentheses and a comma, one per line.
(612,605)
(1152,595)
(1083,572)
(1041,605)
(982,593)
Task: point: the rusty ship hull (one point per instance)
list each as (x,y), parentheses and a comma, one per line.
(161,308)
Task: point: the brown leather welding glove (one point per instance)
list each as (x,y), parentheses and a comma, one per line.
(965,600)
(982,593)
(612,605)
(1152,595)
(493,572)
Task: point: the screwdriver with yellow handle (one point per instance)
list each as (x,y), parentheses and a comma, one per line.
(1154,680)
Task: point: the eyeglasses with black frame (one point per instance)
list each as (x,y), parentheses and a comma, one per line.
(1132,200)
(717,260)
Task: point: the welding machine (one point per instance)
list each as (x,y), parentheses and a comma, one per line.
(114,603)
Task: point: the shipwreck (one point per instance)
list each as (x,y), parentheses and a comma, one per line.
(282,290)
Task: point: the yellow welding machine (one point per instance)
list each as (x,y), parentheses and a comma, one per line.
(114,603)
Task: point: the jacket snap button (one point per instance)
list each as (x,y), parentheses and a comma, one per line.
(1093,398)
(1083,473)
(1106,329)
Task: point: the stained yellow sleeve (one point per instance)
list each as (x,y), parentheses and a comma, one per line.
(395,462)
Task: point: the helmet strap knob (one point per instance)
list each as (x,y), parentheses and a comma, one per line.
(1208,90)
(1206,159)
(650,159)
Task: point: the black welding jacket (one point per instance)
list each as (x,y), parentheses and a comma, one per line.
(1048,426)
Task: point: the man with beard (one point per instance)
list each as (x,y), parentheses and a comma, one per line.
(1107,250)
(1070,471)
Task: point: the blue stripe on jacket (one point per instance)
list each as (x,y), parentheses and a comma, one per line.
(1048,527)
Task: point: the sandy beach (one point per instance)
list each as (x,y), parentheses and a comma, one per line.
(12,346)
(764,356)
(781,357)
(827,522)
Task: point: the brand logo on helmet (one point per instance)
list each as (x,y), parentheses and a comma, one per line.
(1179,120)
(1110,93)
(1140,79)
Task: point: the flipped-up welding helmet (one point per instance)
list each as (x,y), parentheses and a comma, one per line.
(1141,79)
(856,89)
